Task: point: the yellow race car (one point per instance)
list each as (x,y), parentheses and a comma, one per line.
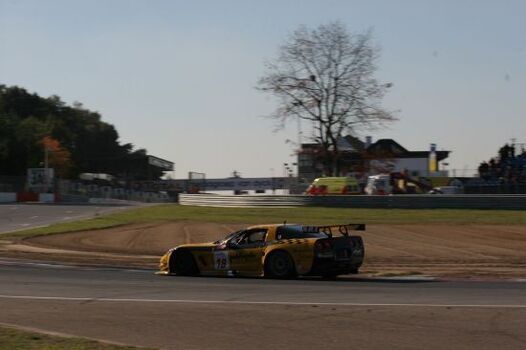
(275,251)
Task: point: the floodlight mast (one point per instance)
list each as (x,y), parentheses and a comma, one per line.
(46,166)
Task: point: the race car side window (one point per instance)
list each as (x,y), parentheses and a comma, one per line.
(237,238)
(230,237)
(251,238)
(257,236)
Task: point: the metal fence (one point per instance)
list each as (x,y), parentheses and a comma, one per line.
(515,202)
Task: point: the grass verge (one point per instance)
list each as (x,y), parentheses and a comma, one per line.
(11,338)
(306,215)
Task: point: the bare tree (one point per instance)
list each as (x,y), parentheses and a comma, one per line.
(326,76)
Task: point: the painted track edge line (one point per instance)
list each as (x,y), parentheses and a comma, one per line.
(246,302)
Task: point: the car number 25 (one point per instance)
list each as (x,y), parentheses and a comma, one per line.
(221,261)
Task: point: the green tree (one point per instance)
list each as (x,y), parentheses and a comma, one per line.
(28,135)
(88,143)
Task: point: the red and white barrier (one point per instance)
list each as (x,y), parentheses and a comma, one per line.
(46,197)
(13,197)
(7,197)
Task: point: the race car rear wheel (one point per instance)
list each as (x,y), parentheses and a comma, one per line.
(183,263)
(279,264)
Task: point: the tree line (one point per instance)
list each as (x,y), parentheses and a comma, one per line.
(74,138)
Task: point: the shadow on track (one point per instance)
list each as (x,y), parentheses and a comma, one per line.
(393,280)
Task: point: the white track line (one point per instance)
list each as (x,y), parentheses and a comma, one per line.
(241,302)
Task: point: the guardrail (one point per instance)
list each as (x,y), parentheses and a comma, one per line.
(515,202)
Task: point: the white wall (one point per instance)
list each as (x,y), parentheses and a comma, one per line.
(412,164)
(46,197)
(419,165)
(7,197)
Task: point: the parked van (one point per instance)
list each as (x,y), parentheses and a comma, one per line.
(333,186)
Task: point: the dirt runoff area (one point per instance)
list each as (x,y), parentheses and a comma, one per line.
(464,251)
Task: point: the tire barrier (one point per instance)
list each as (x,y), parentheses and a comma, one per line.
(505,202)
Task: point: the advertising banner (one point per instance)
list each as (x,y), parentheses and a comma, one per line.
(40,179)
(433,164)
(260,183)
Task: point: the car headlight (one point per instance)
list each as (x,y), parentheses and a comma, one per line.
(163,263)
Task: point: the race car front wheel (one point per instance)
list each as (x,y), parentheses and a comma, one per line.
(279,265)
(183,263)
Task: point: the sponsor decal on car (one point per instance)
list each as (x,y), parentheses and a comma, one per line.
(221,260)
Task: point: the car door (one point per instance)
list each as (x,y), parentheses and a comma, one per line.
(246,253)
(221,255)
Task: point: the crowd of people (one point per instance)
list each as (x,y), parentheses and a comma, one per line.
(508,168)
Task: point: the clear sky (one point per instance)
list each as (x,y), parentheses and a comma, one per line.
(178,77)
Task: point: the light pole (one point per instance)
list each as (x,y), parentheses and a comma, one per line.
(273,180)
(286,176)
(444,168)
(46,166)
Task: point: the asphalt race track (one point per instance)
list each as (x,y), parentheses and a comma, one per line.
(22,216)
(139,308)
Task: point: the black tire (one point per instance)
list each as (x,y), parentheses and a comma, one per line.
(182,263)
(280,265)
(354,270)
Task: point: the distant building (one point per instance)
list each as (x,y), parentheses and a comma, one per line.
(368,158)
(140,166)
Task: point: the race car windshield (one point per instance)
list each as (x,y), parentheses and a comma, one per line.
(229,236)
(297,231)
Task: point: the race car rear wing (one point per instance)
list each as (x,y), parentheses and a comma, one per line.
(341,229)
